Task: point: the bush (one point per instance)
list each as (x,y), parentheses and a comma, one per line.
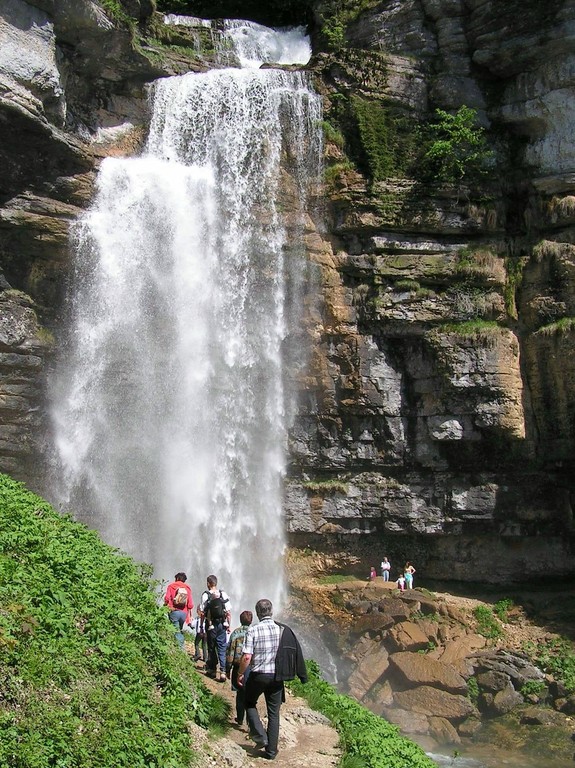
(457,147)
(555,657)
(367,739)
(487,624)
(90,672)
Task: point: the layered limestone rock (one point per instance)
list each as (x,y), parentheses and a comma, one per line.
(440,401)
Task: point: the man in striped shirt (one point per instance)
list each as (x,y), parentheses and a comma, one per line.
(259,653)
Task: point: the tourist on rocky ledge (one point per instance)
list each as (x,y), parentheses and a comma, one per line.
(385,568)
(408,572)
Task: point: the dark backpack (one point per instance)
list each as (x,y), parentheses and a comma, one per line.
(215,609)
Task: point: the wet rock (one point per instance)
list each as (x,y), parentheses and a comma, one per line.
(500,703)
(408,721)
(442,731)
(414,669)
(537,716)
(433,702)
(372,665)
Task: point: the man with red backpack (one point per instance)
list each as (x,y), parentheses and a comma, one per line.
(178,598)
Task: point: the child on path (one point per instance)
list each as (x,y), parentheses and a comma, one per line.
(401,582)
(200,640)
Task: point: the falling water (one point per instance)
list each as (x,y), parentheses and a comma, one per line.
(169,403)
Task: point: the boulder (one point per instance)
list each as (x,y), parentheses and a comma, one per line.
(415,669)
(371,622)
(435,703)
(409,722)
(493,681)
(458,649)
(442,731)
(407,636)
(500,703)
(370,668)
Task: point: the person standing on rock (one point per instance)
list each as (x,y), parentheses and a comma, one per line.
(408,572)
(372,573)
(385,568)
(216,612)
(401,582)
(259,653)
(178,598)
(233,657)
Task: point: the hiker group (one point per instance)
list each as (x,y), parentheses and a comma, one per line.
(257,658)
(404,580)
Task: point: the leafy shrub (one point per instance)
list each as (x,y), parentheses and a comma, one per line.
(365,736)
(501,608)
(457,147)
(533,687)
(473,689)
(90,672)
(487,624)
(555,657)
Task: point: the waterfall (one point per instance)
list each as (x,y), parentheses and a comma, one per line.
(169,400)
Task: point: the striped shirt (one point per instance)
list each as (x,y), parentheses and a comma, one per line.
(262,642)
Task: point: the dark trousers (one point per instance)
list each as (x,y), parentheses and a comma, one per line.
(273,691)
(240,692)
(217,644)
(201,643)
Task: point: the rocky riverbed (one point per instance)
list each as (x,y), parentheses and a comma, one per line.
(422,660)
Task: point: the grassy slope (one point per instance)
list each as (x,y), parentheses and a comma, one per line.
(89,671)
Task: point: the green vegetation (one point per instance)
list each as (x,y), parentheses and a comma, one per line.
(90,672)
(116,11)
(487,624)
(457,148)
(336,15)
(475,327)
(326,486)
(502,607)
(335,578)
(387,143)
(368,740)
(407,285)
(473,690)
(563,325)
(533,688)
(331,134)
(557,658)
(514,267)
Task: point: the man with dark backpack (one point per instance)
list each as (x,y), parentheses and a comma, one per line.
(178,598)
(216,612)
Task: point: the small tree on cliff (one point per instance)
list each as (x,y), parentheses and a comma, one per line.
(457,147)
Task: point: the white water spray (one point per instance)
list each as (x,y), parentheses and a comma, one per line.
(169,403)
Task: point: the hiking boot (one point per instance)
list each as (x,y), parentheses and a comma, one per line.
(269,755)
(261,741)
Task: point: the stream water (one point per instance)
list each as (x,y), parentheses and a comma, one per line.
(169,403)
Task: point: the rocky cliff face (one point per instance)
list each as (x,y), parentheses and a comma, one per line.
(436,421)
(435,413)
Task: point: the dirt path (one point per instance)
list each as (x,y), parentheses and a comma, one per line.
(306,738)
